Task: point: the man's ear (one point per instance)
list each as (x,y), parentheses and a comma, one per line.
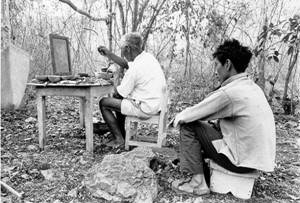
(228,64)
(128,49)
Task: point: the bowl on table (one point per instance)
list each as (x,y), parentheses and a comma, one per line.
(68,77)
(54,78)
(42,77)
(103,75)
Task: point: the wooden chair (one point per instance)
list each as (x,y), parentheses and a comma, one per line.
(160,119)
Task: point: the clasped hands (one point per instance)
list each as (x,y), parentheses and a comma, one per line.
(176,121)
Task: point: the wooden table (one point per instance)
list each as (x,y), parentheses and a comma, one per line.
(85,91)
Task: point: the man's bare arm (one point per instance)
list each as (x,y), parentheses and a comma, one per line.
(118,60)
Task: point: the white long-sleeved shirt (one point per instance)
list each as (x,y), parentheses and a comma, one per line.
(246,121)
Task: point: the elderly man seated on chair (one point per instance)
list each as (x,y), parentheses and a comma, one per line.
(141,90)
(243,139)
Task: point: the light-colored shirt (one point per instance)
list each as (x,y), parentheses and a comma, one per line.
(246,122)
(144,82)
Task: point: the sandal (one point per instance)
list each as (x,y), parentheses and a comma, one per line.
(182,186)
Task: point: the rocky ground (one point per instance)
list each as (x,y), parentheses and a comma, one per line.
(56,174)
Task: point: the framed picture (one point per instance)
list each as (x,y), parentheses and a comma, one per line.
(60,55)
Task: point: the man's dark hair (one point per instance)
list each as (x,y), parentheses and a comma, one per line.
(235,52)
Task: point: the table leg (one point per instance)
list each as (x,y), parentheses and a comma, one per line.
(82,111)
(41,109)
(88,118)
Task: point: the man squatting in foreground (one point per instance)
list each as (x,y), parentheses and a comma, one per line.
(246,139)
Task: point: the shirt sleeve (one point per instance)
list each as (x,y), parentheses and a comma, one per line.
(128,82)
(215,106)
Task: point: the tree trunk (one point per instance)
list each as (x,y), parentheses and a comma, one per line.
(262,58)
(5,25)
(109,26)
(135,15)
(147,30)
(293,60)
(273,82)
(187,71)
(122,17)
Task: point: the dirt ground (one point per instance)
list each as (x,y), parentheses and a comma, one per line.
(22,163)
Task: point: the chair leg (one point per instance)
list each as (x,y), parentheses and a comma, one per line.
(162,133)
(130,132)
(127,136)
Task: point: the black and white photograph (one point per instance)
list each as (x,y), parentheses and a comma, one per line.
(150,101)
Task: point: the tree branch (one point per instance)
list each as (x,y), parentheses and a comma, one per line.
(68,2)
(147,30)
(122,17)
(141,13)
(135,15)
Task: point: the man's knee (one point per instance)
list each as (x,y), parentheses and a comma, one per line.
(103,102)
(188,129)
(187,126)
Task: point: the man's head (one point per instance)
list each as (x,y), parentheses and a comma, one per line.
(231,58)
(131,45)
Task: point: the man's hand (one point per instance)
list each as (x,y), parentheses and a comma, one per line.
(103,50)
(116,94)
(177,121)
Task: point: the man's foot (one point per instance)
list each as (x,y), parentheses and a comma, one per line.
(100,128)
(115,143)
(196,186)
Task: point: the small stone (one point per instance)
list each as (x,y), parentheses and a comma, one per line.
(48,174)
(262,178)
(34,171)
(30,120)
(198,200)
(25,176)
(73,193)
(83,161)
(294,171)
(5,180)
(291,124)
(296,181)
(32,147)
(298,142)
(281,132)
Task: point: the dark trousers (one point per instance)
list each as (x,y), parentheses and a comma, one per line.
(196,144)
(121,122)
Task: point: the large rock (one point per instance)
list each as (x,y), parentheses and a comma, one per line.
(124,177)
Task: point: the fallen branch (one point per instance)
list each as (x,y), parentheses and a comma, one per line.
(13,191)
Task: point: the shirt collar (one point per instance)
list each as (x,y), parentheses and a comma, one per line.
(234,77)
(139,56)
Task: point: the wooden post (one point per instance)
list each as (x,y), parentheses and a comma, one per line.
(41,110)
(82,111)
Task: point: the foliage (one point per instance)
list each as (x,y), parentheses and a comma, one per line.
(23,165)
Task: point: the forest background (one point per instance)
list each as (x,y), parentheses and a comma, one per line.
(182,34)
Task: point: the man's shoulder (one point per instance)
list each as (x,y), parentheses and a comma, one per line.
(245,88)
(148,56)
